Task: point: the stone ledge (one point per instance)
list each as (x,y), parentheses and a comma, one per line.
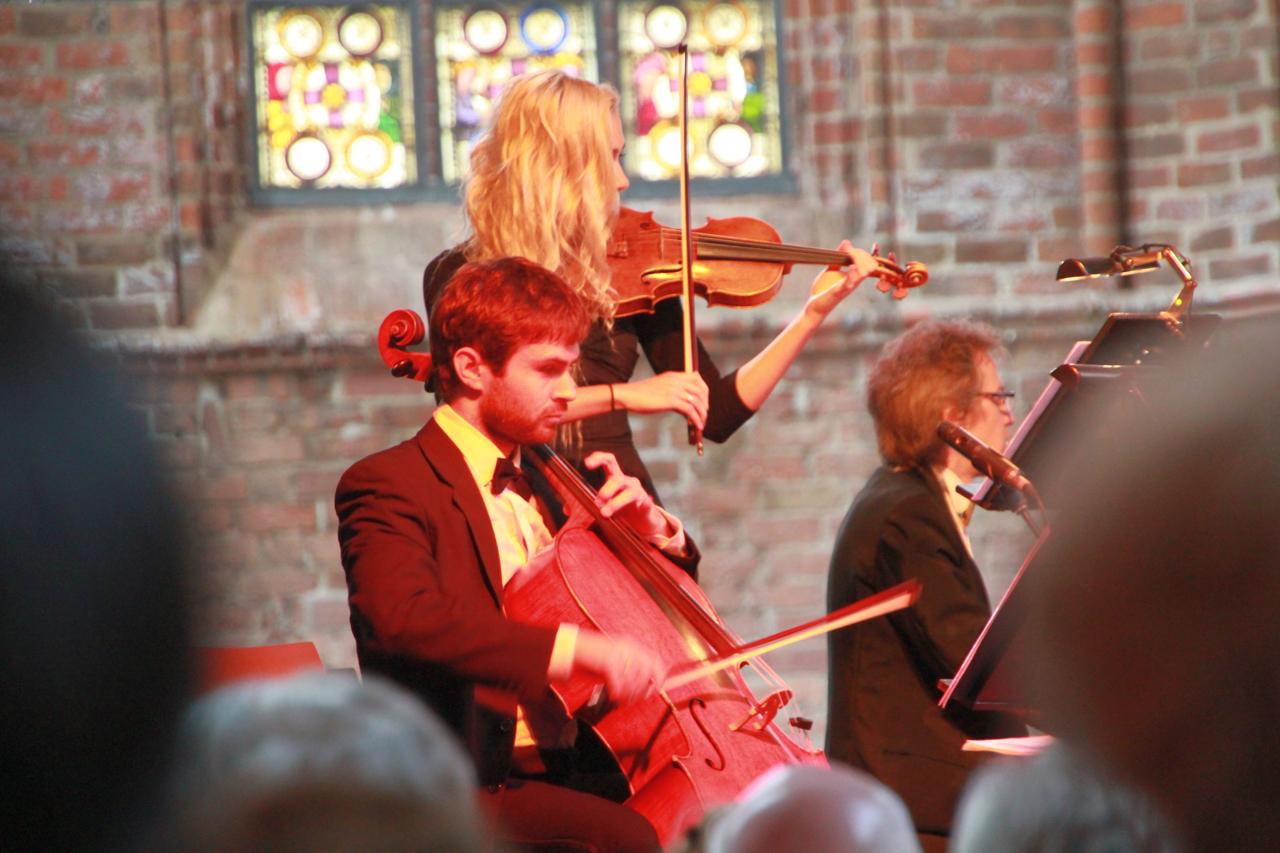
(1077,315)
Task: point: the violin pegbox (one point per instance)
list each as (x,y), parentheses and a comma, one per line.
(896,281)
(897,290)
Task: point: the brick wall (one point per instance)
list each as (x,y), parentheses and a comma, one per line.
(993,139)
(257,440)
(120,149)
(990,139)
(1201,107)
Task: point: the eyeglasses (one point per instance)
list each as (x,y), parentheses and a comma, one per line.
(1000,398)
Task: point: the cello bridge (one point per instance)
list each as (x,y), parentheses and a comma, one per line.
(762,712)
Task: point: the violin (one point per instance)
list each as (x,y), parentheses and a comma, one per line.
(738,261)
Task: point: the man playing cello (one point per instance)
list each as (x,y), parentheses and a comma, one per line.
(433,529)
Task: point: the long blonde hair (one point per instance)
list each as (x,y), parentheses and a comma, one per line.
(542,186)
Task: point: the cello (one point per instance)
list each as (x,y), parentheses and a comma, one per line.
(704,735)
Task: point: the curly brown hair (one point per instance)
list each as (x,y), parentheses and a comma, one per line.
(918,375)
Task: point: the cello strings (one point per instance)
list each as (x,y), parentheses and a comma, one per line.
(692,611)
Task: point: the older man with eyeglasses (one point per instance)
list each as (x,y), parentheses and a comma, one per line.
(909,522)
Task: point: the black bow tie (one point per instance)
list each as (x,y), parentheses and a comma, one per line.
(507,475)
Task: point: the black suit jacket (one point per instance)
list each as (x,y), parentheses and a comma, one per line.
(425,587)
(882,711)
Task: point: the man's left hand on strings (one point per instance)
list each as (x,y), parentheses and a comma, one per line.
(624,498)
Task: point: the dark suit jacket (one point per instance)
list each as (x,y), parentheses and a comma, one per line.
(425,588)
(424,582)
(882,711)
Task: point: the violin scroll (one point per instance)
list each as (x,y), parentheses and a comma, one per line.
(897,278)
(400,329)
(917,274)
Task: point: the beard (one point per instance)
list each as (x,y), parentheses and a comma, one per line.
(510,417)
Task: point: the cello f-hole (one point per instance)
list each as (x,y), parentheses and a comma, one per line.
(695,705)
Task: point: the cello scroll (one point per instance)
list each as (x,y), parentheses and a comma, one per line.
(400,329)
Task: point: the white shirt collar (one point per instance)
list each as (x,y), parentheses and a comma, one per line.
(960,506)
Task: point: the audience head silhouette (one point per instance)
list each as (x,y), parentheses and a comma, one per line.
(816,809)
(321,761)
(1055,802)
(1154,603)
(93,604)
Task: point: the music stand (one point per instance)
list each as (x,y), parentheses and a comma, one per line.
(1149,339)
(991,677)
(1052,433)
(1073,417)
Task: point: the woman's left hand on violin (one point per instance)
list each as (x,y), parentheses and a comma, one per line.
(623,497)
(831,286)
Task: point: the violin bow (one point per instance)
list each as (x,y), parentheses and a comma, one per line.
(686,238)
(895,598)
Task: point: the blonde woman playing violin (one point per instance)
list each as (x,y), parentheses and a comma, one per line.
(544,184)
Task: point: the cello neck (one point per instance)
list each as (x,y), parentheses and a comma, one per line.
(632,551)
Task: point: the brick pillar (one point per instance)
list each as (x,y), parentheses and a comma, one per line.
(825,108)
(879,38)
(1099,86)
(984,152)
(205,123)
(120,156)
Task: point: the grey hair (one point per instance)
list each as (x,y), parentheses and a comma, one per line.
(319,727)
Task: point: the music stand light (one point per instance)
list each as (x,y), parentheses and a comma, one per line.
(1126,260)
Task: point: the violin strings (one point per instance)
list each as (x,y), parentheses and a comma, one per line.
(746,248)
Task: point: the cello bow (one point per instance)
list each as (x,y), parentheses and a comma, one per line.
(895,598)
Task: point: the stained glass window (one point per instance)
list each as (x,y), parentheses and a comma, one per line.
(334,92)
(479,47)
(336,87)
(734,113)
